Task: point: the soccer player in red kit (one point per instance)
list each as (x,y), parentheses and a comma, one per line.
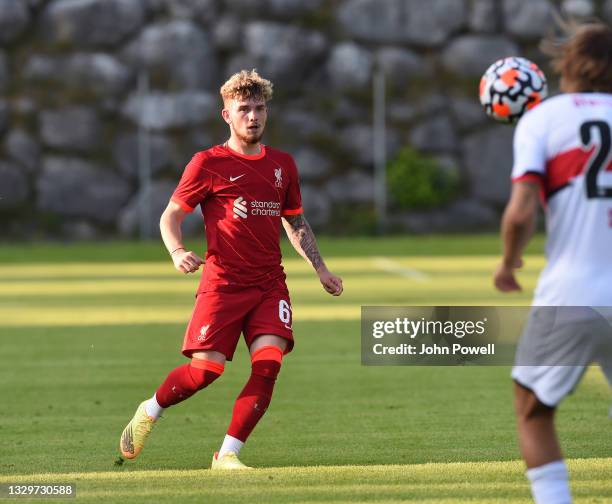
(245,190)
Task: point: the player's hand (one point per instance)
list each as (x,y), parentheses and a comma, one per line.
(331,283)
(186,261)
(505,279)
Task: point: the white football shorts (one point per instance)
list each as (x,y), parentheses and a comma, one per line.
(557,346)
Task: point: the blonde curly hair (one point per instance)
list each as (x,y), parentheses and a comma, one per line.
(246,84)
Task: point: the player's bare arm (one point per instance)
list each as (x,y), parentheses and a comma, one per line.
(518,225)
(304,242)
(184,260)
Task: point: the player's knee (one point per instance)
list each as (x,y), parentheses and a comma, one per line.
(204,372)
(528,406)
(266,362)
(536,412)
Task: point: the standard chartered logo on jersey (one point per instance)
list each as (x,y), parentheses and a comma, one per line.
(242,208)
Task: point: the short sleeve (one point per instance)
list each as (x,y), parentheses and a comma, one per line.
(530,149)
(293,197)
(195,184)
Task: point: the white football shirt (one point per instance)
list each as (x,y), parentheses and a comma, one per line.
(565,145)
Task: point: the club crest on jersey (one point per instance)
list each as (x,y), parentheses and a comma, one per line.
(203,331)
(278,173)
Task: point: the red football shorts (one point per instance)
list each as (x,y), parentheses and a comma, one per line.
(219,318)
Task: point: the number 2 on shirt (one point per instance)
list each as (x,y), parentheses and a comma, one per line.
(599,159)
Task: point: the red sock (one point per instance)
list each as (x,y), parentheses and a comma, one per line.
(257,393)
(186,380)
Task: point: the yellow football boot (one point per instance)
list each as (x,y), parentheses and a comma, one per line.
(136,432)
(229,461)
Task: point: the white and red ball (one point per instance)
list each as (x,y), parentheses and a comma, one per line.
(510,87)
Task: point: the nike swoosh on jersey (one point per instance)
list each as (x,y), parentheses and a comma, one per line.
(233,179)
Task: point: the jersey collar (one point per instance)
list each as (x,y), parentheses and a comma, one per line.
(246,156)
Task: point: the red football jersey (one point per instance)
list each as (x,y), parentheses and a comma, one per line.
(242,199)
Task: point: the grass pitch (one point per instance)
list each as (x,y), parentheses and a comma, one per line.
(87,332)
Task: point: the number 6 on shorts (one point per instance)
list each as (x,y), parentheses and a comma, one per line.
(284,312)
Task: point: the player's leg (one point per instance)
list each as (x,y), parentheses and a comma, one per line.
(540,448)
(554,351)
(266,359)
(180,384)
(268,334)
(254,399)
(184,381)
(535,421)
(211,338)
(538,391)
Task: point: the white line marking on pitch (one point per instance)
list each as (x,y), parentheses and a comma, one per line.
(391,266)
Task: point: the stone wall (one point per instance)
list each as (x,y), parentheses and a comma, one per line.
(70,110)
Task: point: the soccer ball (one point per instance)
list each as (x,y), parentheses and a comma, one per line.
(510,87)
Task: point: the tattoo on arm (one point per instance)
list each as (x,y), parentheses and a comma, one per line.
(303,240)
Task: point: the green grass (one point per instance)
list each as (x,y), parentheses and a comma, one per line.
(496,482)
(430,245)
(84,340)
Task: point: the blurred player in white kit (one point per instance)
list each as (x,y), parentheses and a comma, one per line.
(563,157)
